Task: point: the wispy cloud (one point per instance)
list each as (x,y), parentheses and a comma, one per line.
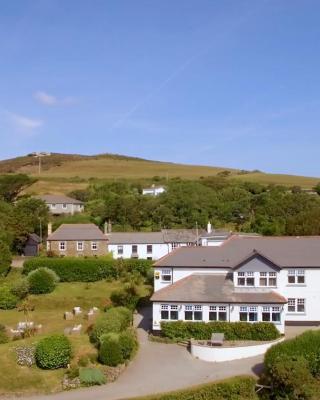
(22,123)
(50,100)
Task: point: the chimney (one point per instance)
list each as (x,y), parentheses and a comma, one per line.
(49,228)
(109,226)
(209,227)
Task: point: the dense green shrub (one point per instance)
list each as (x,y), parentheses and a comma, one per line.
(91,376)
(42,280)
(110,350)
(53,352)
(21,288)
(127,296)
(128,344)
(3,334)
(180,330)
(8,300)
(240,388)
(306,345)
(75,269)
(115,319)
(5,258)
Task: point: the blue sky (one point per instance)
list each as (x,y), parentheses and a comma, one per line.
(225,83)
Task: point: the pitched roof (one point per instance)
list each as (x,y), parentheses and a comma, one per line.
(182,235)
(284,252)
(58,199)
(135,237)
(34,237)
(77,232)
(214,288)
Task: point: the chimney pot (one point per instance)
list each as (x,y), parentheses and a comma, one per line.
(209,227)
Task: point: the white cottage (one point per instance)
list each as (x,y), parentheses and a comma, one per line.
(274,279)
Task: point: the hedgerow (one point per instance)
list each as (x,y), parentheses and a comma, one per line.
(91,269)
(180,330)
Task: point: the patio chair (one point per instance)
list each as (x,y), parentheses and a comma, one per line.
(217,339)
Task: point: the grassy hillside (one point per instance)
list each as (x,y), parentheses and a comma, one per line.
(62,173)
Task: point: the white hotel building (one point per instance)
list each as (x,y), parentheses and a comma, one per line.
(272,279)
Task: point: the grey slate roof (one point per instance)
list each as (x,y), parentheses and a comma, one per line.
(214,288)
(284,252)
(58,199)
(135,237)
(77,232)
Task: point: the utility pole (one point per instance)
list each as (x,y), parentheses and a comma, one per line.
(38,155)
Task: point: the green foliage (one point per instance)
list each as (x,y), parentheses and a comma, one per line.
(180,330)
(3,334)
(115,319)
(53,352)
(91,377)
(128,344)
(239,388)
(42,280)
(128,296)
(20,288)
(12,185)
(5,258)
(110,350)
(8,300)
(75,269)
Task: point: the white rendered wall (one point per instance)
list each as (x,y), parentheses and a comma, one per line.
(158,250)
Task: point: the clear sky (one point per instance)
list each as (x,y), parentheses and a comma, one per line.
(225,83)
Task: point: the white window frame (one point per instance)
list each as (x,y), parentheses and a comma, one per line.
(150,252)
(295,303)
(296,274)
(194,309)
(271,311)
(245,276)
(53,206)
(80,246)
(249,310)
(120,249)
(94,246)
(218,310)
(166,272)
(63,246)
(268,276)
(65,206)
(172,309)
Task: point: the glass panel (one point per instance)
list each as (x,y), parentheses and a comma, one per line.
(273,282)
(188,315)
(243,316)
(174,315)
(241,281)
(300,278)
(198,315)
(265,316)
(263,281)
(253,316)
(250,281)
(291,279)
(164,314)
(276,317)
(222,316)
(212,316)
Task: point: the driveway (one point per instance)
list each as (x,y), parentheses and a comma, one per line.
(159,368)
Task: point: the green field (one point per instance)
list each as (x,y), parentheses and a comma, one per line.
(62,173)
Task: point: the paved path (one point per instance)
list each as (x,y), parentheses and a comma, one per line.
(159,368)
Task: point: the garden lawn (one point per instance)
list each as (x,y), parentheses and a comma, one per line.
(49,311)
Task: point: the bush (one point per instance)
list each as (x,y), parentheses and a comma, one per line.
(110,350)
(180,330)
(115,319)
(91,376)
(75,269)
(53,352)
(42,280)
(128,344)
(126,297)
(3,335)
(5,258)
(240,388)
(8,300)
(21,288)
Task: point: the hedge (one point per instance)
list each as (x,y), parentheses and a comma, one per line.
(53,352)
(76,269)
(239,388)
(8,300)
(180,330)
(42,280)
(110,351)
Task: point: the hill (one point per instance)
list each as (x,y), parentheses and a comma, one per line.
(61,173)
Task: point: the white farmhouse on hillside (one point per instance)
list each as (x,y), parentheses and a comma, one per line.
(59,204)
(271,279)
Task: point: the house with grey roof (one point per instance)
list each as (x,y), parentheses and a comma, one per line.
(77,240)
(59,204)
(247,278)
(154,245)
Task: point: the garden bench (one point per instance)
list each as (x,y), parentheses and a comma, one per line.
(77,310)
(217,339)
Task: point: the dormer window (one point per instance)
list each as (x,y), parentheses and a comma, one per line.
(245,279)
(268,279)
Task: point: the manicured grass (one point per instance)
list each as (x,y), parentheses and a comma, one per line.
(48,311)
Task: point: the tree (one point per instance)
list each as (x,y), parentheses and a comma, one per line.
(12,185)
(5,258)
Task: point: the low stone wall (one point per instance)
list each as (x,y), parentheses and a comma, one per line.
(228,353)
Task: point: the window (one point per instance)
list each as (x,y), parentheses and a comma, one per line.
(94,246)
(248,314)
(166,275)
(62,246)
(296,305)
(245,279)
(64,206)
(134,249)
(174,245)
(52,205)
(296,276)
(169,312)
(120,249)
(193,313)
(268,279)
(80,246)
(149,248)
(217,313)
(149,258)
(271,314)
